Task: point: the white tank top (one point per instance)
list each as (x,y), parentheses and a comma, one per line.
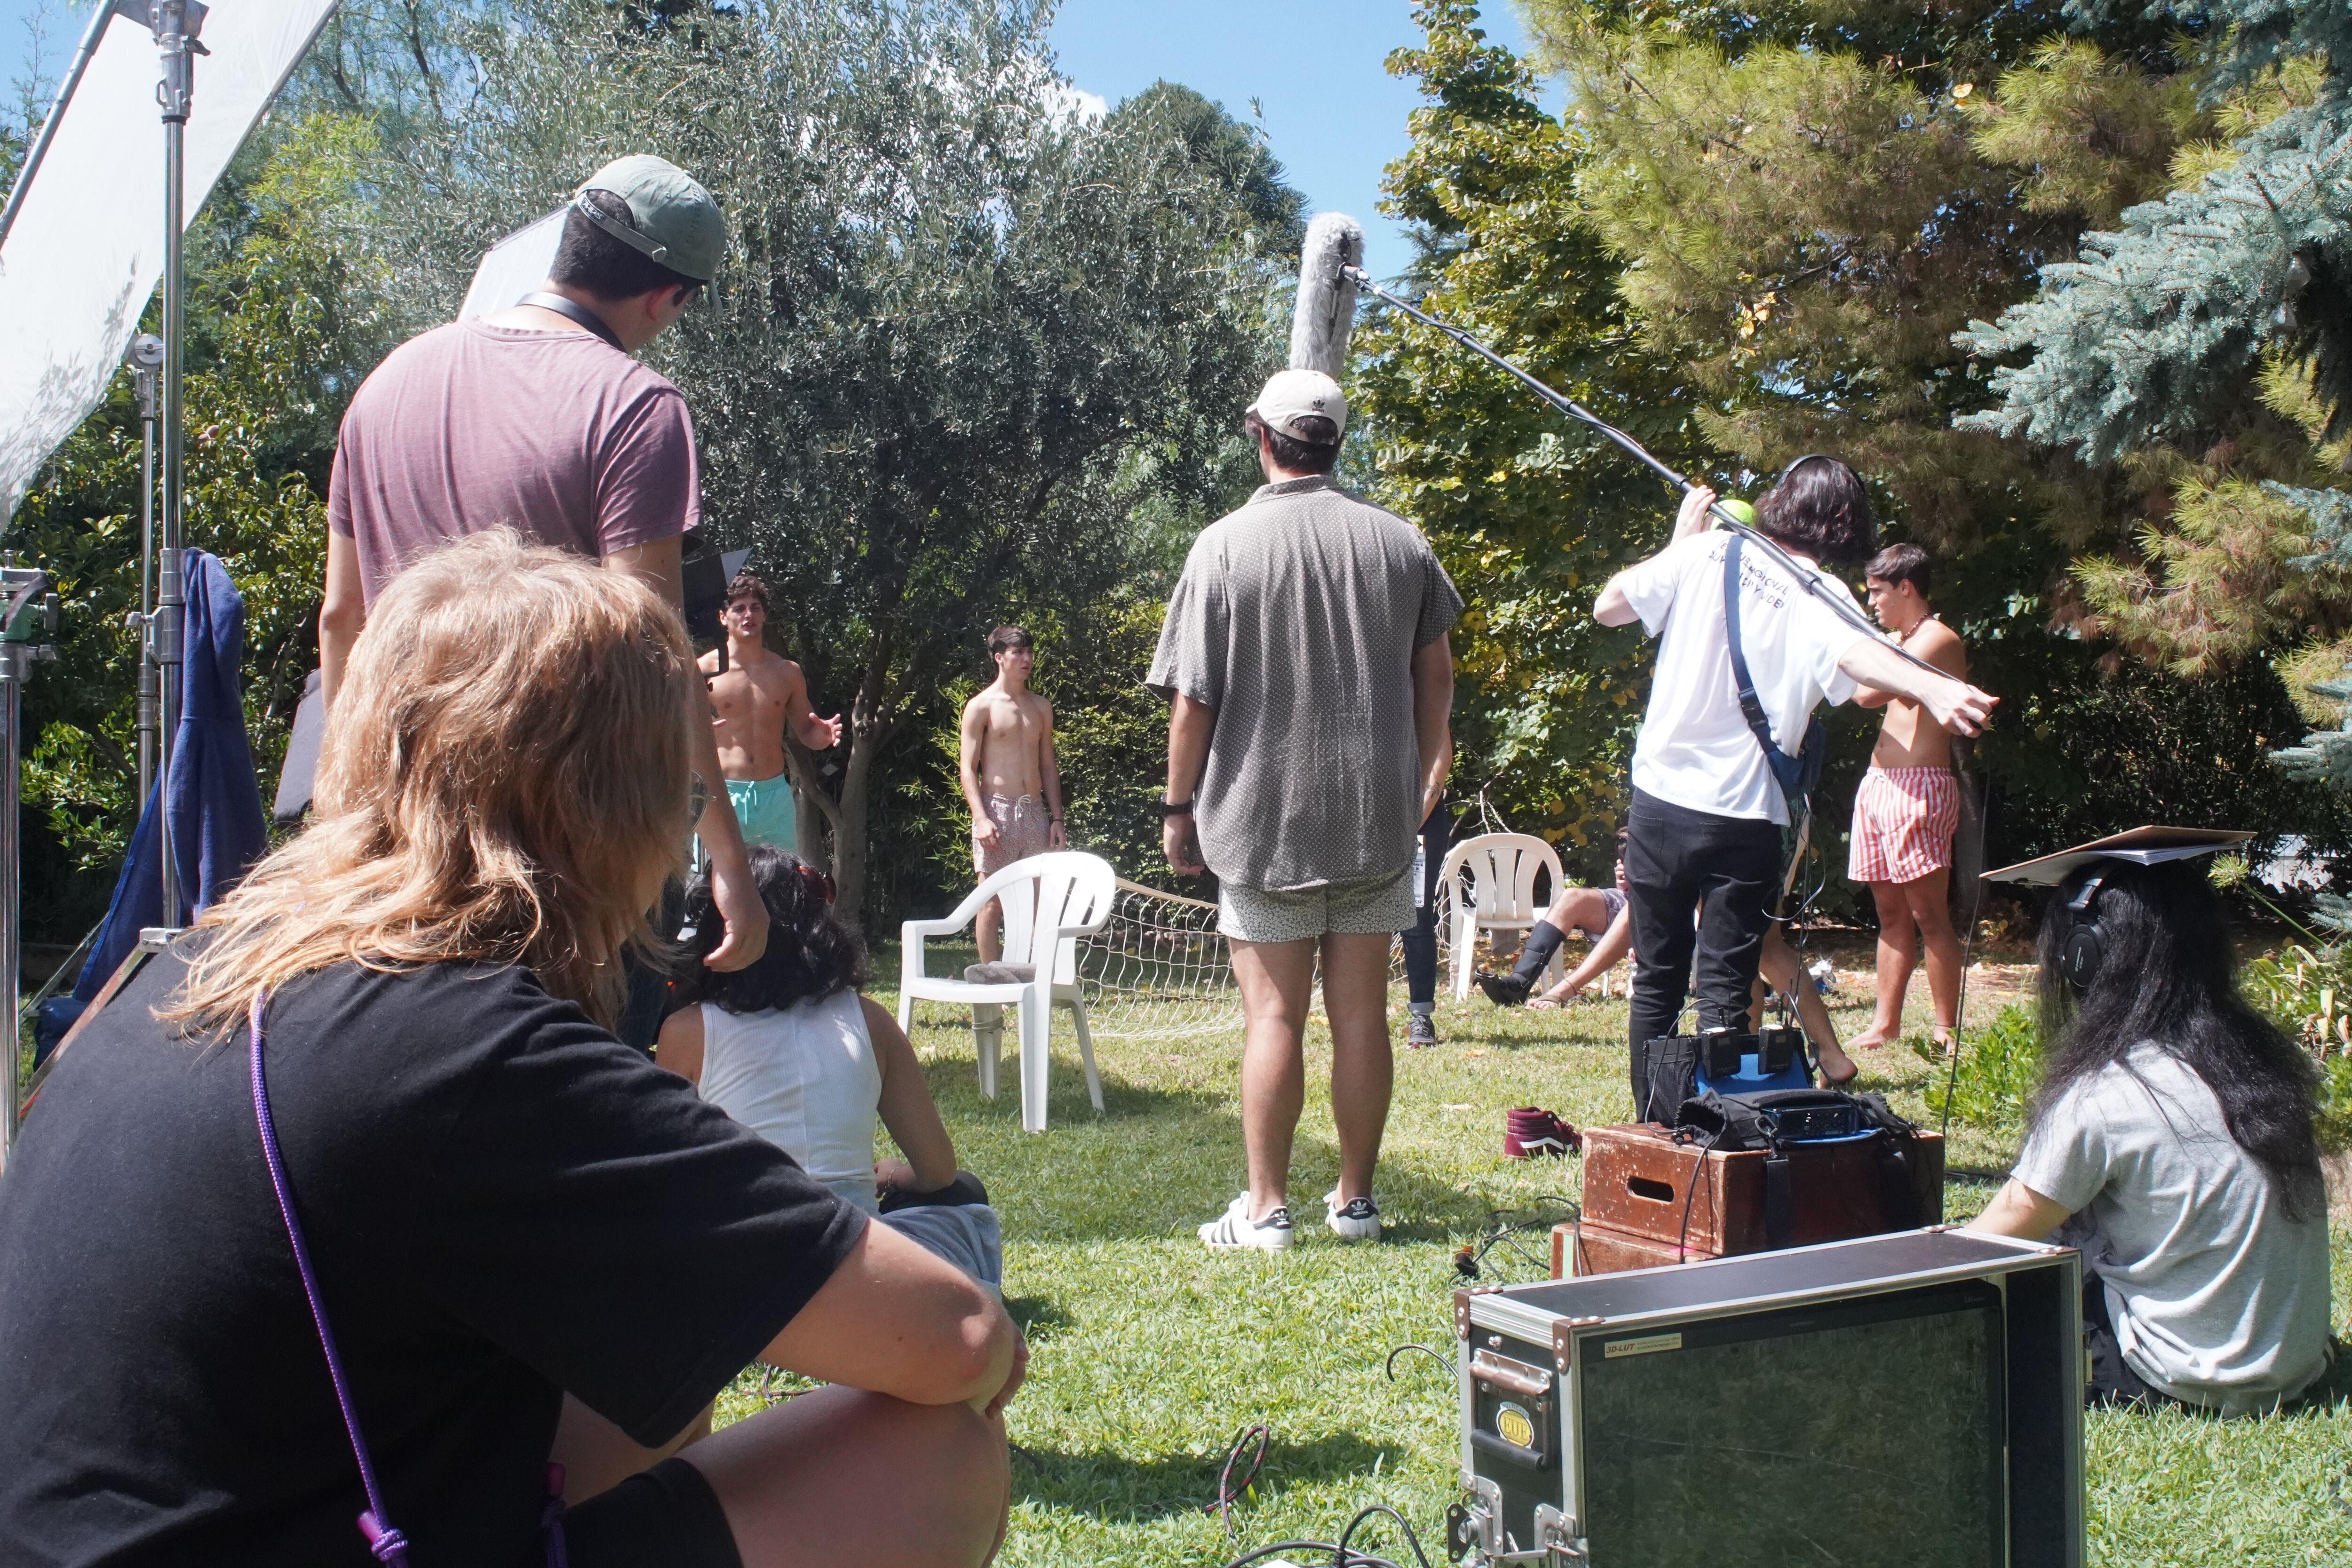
(804,1079)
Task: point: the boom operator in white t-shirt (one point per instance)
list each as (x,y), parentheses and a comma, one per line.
(1704,830)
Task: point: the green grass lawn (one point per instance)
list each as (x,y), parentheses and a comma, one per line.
(1151,1351)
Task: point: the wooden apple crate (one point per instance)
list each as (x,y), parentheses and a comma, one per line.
(1650,1201)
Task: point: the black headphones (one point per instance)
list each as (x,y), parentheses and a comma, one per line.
(2085,951)
(1809,457)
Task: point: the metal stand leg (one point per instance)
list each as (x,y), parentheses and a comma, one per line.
(28,615)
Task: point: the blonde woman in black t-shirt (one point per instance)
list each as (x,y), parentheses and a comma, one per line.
(511,1219)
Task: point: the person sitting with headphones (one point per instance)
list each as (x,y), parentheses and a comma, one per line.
(2171,1139)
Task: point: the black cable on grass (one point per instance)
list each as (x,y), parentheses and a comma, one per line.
(1340,1560)
(1342,1557)
(1468,1257)
(1247,1451)
(1432,1352)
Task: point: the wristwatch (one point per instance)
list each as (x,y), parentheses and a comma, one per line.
(1174,808)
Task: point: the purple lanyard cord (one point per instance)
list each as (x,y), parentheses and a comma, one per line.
(387,1543)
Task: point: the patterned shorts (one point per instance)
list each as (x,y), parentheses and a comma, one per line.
(1904,819)
(1022,828)
(1364,908)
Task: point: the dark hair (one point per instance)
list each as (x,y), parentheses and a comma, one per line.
(606,268)
(745,584)
(1300,457)
(1819,507)
(1902,563)
(2165,975)
(1004,639)
(809,954)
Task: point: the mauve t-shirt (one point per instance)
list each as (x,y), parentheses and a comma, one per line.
(556,434)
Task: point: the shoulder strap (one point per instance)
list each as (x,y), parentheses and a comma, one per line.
(587,320)
(1796,774)
(384,1542)
(1750,706)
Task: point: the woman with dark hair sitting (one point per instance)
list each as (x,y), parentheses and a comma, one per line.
(789,1048)
(2171,1139)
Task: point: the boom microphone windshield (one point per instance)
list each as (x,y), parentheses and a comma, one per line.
(1328,263)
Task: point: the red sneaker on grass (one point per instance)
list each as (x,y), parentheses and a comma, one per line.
(1527,1132)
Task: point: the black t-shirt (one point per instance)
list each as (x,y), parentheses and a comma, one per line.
(502,1203)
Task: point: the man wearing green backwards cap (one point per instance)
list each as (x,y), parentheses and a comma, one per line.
(539,418)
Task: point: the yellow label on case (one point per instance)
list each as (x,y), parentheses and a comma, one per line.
(1648,1345)
(1512,1426)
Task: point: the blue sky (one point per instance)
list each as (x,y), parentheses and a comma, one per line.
(1331,112)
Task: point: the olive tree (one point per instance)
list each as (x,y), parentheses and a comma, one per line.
(965,334)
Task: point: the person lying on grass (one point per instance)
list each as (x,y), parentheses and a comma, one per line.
(789,1048)
(530,1243)
(2171,1139)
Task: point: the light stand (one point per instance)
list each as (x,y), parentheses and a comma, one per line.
(176,23)
(28,616)
(146,356)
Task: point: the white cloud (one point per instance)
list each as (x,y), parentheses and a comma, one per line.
(1075,102)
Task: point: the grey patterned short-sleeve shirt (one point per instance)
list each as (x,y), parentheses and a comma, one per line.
(1296,619)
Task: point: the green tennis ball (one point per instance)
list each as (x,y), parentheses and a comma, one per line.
(1740,509)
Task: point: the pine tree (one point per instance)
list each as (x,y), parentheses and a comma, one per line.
(1803,203)
(2233,291)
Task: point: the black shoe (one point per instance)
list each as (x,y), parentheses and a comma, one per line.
(1421,1031)
(1504,990)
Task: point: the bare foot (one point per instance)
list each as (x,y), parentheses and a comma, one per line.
(1837,1068)
(1945,1041)
(1559,996)
(1870,1039)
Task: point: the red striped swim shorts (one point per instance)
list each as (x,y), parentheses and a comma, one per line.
(1904,819)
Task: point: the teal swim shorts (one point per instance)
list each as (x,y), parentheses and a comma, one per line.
(764,807)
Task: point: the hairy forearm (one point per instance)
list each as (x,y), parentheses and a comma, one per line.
(334,657)
(1433,719)
(1190,725)
(1879,667)
(719,829)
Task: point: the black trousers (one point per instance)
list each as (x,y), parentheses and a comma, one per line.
(1726,868)
(1420,942)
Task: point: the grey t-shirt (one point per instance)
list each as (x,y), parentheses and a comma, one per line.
(2218,1296)
(1296,619)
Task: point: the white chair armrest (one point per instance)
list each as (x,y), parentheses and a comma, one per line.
(913,930)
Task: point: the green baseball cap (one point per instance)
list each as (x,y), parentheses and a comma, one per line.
(677,223)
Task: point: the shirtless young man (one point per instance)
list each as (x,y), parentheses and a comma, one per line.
(1908,806)
(1009,779)
(759,695)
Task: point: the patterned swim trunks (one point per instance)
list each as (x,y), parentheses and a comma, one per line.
(1363,907)
(1022,829)
(1904,819)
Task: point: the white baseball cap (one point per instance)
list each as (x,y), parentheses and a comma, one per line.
(1291,394)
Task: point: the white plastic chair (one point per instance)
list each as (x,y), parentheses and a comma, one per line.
(1049,902)
(1491,880)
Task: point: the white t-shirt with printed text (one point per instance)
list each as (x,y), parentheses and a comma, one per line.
(1696,750)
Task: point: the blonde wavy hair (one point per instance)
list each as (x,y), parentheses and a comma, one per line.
(504,780)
